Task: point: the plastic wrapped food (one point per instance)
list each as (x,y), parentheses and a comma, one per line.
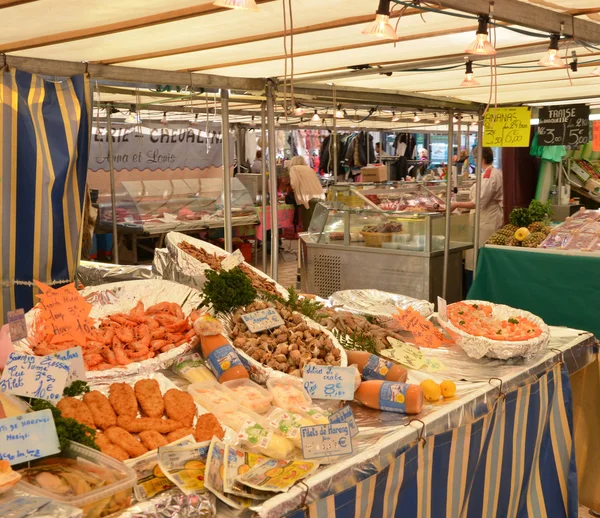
(288,424)
(277,475)
(11,406)
(238,462)
(184,465)
(556,240)
(289,394)
(581,241)
(207,326)
(193,369)
(211,395)
(251,395)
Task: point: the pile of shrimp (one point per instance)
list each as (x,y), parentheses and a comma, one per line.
(477,320)
(124,338)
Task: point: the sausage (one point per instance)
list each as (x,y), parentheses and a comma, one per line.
(373,367)
(390,396)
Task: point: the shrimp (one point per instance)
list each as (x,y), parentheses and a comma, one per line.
(93,347)
(137,310)
(119,318)
(173,337)
(166,320)
(157,344)
(107,335)
(159,333)
(175,310)
(142,352)
(109,356)
(92,359)
(167,348)
(163,307)
(178,327)
(120,355)
(125,335)
(194,315)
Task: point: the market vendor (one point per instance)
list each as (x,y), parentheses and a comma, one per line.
(306,187)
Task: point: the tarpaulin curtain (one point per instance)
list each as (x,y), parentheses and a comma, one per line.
(44,147)
(518,461)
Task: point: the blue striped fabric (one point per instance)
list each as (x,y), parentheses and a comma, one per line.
(44,146)
(517,461)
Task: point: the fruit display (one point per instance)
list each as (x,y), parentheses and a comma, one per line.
(531,236)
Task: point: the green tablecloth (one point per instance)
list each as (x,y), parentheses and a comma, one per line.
(564,290)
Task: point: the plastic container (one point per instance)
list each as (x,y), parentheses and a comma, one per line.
(251,395)
(211,395)
(289,394)
(105,500)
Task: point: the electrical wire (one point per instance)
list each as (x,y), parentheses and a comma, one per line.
(291,55)
(285,73)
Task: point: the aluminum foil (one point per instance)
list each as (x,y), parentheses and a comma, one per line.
(122,297)
(92,274)
(479,346)
(378,303)
(173,504)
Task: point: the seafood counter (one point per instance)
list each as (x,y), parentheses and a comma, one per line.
(196,408)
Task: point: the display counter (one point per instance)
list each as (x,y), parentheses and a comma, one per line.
(561,286)
(351,248)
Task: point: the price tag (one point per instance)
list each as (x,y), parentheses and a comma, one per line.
(434,365)
(564,125)
(28,436)
(326,440)
(345,415)
(442,309)
(16,323)
(231,261)
(74,357)
(507,127)
(24,506)
(325,382)
(262,320)
(424,332)
(405,354)
(596,136)
(42,377)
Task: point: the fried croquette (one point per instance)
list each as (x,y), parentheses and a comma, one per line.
(180,406)
(178,434)
(148,395)
(102,411)
(207,426)
(126,441)
(151,439)
(110,449)
(140,424)
(76,409)
(122,398)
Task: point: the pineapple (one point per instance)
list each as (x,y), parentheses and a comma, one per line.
(513,242)
(529,242)
(494,239)
(546,230)
(536,226)
(511,228)
(522,234)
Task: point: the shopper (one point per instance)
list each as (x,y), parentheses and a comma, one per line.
(379,153)
(307,188)
(256,166)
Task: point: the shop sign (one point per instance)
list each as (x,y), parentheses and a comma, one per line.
(507,127)
(596,141)
(564,125)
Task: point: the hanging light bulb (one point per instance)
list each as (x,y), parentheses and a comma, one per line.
(164,119)
(469,80)
(133,118)
(315,117)
(596,71)
(248,5)
(417,118)
(252,123)
(194,121)
(437,120)
(482,46)
(381,27)
(552,59)
(339,114)
(298,111)
(395,118)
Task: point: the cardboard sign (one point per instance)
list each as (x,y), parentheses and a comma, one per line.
(326,440)
(596,136)
(405,354)
(28,437)
(325,382)
(507,127)
(424,332)
(73,357)
(42,377)
(231,261)
(64,314)
(16,323)
(262,320)
(345,415)
(564,125)
(442,309)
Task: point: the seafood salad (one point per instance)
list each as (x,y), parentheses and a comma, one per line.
(287,348)
(124,338)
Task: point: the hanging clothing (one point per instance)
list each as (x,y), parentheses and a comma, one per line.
(491,212)
(306,185)
(250,145)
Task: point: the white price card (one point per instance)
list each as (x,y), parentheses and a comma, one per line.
(345,415)
(326,440)
(442,309)
(231,261)
(28,437)
(42,377)
(74,357)
(262,320)
(325,382)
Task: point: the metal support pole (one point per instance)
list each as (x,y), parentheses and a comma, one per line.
(238,149)
(263,135)
(226,170)
(334,136)
(477,193)
(113,194)
(448,200)
(459,148)
(273,182)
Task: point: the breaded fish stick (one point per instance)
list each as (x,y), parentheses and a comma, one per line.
(152,439)
(76,409)
(126,441)
(140,424)
(122,398)
(110,449)
(101,409)
(180,406)
(178,434)
(150,399)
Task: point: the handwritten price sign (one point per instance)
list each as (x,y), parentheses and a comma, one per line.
(326,440)
(507,127)
(424,332)
(262,320)
(41,377)
(345,415)
(323,382)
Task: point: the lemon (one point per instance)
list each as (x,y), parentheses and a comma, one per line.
(431,390)
(448,388)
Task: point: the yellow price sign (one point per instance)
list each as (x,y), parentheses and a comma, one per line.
(507,127)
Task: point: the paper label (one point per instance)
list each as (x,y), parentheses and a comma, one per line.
(376,368)
(507,127)
(434,365)
(345,415)
(405,354)
(287,423)
(28,437)
(254,434)
(277,475)
(74,357)
(16,324)
(442,309)
(262,320)
(392,396)
(185,465)
(215,471)
(222,359)
(326,440)
(231,261)
(42,377)
(238,462)
(326,382)
(23,506)
(423,331)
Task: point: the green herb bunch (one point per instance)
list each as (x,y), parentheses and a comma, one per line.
(303,305)
(229,290)
(76,388)
(356,341)
(537,211)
